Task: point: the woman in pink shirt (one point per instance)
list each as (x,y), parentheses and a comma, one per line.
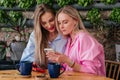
(83,52)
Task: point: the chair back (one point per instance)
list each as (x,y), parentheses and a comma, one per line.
(112,69)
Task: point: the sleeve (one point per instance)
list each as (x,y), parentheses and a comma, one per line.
(28,53)
(91,55)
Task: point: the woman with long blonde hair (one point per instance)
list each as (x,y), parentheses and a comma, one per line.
(44,35)
(83,52)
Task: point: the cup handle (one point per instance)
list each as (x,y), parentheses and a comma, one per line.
(63,70)
(17,67)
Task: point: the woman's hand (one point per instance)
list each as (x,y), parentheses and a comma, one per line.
(56,57)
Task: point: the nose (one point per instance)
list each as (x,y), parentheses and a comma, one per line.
(48,25)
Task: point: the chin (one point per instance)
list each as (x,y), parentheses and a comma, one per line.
(52,31)
(65,34)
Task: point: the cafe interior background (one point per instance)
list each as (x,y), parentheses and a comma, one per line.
(100,17)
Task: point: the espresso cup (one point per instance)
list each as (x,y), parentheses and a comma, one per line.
(55,70)
(24,67)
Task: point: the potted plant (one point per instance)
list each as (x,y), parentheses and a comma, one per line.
(17,22)
(17,46)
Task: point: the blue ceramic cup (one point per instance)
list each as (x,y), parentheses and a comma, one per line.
(54,70)
(24,67)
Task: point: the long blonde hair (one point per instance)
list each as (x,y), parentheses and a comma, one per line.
(41,35)
(72,12)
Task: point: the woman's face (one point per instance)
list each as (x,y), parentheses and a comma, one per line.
(48,21)
(66,23)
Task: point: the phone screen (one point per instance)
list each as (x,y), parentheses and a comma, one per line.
(48,50)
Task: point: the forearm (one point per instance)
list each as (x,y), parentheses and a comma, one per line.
(74,65)
(81,67)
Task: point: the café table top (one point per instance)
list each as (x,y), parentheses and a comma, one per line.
(67,75)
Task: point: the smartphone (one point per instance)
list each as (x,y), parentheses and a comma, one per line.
(48,50)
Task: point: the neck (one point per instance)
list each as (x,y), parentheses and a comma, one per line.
(73,34)
(52,36)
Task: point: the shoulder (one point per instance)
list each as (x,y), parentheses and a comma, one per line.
(60,40)
(31,38)
(32,33)
(83,36)
(86,38)
(60,37)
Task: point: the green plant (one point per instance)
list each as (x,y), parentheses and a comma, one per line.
(62,3)
(94,16)
(85,3)
(115,31)
(15,15)
(115,15)
(50,2)
(3,46)
(25,4)
(3,16)
(109,1)
(8,3)
(16,20)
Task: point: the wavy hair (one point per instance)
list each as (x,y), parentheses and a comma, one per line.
(41,35)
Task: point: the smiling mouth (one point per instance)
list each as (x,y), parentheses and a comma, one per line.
(51,28)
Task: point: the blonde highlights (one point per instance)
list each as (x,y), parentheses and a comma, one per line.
(41,35)
(73,13)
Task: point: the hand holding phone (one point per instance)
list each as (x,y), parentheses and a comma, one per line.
(48,50)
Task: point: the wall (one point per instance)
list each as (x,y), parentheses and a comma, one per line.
(100,36)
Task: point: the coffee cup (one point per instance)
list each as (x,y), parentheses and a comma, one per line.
(24,67)
(55,70)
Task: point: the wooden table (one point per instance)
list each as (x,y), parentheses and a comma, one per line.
(14,75)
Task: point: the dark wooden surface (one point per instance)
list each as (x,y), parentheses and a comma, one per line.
(7,64)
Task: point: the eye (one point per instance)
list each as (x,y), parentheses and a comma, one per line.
(65,22)
(43,23)
(51,20)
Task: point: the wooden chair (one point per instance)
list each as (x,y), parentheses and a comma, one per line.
(112,69)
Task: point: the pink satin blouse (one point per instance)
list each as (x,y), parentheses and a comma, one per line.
(88,52)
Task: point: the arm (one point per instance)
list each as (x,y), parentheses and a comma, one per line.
(61,58)
(28,53)
(90,56)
